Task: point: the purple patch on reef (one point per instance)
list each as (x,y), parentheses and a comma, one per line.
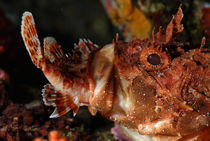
(118,134)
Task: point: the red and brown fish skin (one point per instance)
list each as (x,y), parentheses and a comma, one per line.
(151,86)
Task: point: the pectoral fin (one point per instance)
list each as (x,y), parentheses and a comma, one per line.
(62,103)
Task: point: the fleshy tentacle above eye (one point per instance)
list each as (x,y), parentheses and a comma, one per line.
(154,57)
(68,73)
(173,28)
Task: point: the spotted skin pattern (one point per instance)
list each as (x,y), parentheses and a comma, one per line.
(153,88)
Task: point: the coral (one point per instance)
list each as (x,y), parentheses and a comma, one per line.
(131,21)
(17,123)
(4,82)
(68,20)
(53,136)
(118,134)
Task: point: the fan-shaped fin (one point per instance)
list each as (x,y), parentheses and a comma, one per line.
(30,37)
(62,103)
(69,74)
(52,51)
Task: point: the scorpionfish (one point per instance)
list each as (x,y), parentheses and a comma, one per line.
(151,87)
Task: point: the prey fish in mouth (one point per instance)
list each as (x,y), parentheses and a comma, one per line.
(150,87)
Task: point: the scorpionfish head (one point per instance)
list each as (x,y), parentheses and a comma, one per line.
(162,89)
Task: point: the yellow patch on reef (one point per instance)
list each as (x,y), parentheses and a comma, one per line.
(130,19)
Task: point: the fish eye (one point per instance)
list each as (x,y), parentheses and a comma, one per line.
(154,59)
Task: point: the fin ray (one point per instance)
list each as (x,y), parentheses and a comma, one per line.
(52,51)
(62,103)
(69,73)
(30,38)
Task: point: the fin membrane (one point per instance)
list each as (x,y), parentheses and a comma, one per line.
(30,38)
(81,53)
(62,103)
(52,51)
(72,67)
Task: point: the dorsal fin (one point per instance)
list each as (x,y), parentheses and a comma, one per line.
(52,51)
(82,53)
(85,47)
(30,38)
(72,69)
(69,74)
